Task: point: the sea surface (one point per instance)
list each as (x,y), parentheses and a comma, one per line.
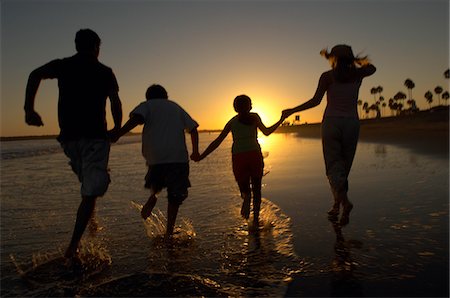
(396,243)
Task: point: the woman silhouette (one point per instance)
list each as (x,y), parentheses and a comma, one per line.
(340,124)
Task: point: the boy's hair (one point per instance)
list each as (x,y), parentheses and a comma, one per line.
(156,92)
(242,103)
(86,40)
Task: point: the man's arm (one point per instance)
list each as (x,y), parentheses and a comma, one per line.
(116,110)
(194,138)
(34,80)
(134,121)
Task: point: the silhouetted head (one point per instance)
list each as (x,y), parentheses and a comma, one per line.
(156,92)
(342,55)
(87,41)
(344,62)
(242,104)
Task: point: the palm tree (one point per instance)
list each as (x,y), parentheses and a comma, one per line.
(391,106)
(445,95)
(429,97)
(400,96)
(410,85)
(383,104)
(447,74)
(359,105)
(365,108)
(379,89)
(374,91)
(438,90)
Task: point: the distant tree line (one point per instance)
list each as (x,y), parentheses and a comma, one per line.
(396,104)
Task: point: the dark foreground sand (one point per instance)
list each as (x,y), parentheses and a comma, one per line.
(425,131)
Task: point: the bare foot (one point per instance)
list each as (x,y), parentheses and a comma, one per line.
(334,211)
(71,252)
(245,209)
(345,219)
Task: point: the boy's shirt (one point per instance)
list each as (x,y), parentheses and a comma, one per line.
(163,137)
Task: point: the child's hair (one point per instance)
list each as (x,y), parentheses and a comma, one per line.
(343,61)
(156,92)
(242,104)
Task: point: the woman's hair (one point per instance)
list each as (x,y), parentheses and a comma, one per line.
(156,92)
(343,62)
(242,104)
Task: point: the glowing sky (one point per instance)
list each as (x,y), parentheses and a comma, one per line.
(207,52)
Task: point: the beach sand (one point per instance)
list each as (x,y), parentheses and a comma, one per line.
(425,131)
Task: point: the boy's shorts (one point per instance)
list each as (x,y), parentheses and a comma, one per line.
(173,176)
(247,164)
(89,161)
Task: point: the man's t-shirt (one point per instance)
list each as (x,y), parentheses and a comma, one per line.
(84,85)
(163,137)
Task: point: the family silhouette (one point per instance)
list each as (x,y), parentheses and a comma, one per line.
(85,84)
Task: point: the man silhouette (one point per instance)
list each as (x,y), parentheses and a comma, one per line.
(84,85)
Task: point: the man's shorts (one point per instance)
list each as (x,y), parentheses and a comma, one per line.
(173,176)
(247,164)
(89,161)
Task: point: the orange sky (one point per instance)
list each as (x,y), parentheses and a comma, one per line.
(207,52)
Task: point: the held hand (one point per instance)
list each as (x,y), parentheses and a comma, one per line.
(195,156)
(286,113)
(114,135)
(33,118)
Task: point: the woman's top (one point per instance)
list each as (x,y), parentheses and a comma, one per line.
(245,136)
(342,97)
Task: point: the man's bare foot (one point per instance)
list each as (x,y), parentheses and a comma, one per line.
(245,209)
(71,252)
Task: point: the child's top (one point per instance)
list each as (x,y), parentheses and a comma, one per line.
(163,137)
(245,137)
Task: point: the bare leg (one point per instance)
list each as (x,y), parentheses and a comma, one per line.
(172,211)
(347,206)
(148,207)
(85,211)
(256,188)
(246,195)
(334,211)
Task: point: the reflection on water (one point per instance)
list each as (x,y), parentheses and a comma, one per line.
(395,245)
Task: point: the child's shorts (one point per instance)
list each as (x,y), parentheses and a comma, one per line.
(173,176)
(89,161)
(247,164)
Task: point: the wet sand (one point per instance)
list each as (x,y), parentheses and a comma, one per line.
(425,131)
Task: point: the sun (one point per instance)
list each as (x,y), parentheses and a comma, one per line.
(268,114)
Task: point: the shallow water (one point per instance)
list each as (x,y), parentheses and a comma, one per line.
(395,245)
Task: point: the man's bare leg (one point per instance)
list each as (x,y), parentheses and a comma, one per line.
(172,212)
(85,211)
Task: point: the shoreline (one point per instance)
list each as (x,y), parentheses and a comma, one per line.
(426,131)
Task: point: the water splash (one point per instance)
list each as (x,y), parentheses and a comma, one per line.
(155,226)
